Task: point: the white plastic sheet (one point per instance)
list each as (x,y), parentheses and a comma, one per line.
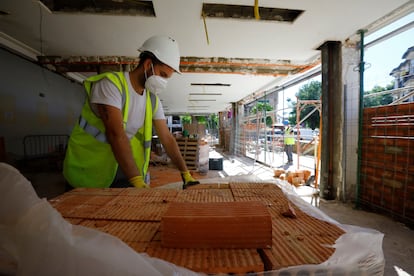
(36,240)
(357,252)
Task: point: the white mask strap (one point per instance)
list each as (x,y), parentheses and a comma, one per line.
(145,71)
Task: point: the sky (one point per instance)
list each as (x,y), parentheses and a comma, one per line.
(380,59)
(386,55)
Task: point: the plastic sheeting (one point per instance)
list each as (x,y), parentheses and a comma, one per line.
(36,240)
(357,252)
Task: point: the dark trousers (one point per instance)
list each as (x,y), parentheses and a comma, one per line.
(289,150)
(120,180)
(121,183)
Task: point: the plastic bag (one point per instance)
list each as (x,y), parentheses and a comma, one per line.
(36,240)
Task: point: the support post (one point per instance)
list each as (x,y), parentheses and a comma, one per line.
(332,116)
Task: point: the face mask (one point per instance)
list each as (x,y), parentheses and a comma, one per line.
(155,83)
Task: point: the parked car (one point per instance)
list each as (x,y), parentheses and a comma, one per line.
(274,134)
(304,133)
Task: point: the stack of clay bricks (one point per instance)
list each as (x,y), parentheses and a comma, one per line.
(296,178)
(239,228)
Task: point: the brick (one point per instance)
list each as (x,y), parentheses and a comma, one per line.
(405,108)
(205,195)
(369,112)
(134,216)
(217,225)
(297,181)
(210,261)
(402,177)
(209,186)
(95,191)
(294,244)
(144,211)
(402,159)
(128,231)
(367,170)
(253,185)
(278,172)
(138,246)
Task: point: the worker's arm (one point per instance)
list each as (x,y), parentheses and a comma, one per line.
(170,144)
(117,138)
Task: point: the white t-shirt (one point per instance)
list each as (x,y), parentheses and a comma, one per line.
(105,92)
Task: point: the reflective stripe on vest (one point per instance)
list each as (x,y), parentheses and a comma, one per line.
(94,131)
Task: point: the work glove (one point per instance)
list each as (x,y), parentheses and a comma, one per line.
(138,182)
(188,180)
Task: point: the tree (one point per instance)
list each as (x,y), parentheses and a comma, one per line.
(263,106)
(201,120)
(212,124)
(213,121)
(186,119)
(378,100)
(309,91)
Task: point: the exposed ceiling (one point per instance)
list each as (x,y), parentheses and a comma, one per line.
(228,52)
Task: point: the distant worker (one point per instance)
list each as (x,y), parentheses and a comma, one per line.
(111,143)
(289,141)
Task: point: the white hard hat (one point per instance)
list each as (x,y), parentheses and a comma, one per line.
(165,49)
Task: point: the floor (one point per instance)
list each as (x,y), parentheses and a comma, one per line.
(398,242)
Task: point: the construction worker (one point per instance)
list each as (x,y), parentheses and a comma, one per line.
(289,141)
(110,145)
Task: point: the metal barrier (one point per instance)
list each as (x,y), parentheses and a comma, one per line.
(44,152)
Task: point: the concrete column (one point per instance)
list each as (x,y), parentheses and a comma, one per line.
(234,123)
(331,179)
(239,139)
(350,61)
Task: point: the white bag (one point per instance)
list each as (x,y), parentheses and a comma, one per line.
(36,240)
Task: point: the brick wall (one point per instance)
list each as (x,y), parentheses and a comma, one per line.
(387,161)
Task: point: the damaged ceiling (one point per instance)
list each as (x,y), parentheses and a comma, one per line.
(230,50)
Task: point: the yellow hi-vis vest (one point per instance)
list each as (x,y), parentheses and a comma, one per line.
(89,160)
(289,138)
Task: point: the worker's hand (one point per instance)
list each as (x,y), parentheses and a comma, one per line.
(138,182)
(188,179)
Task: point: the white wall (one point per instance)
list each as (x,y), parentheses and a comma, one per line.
(23,109)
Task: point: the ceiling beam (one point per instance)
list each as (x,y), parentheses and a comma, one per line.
(100,64)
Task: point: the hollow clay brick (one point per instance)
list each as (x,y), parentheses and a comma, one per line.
(217,225)
(210,261)
(133,215)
